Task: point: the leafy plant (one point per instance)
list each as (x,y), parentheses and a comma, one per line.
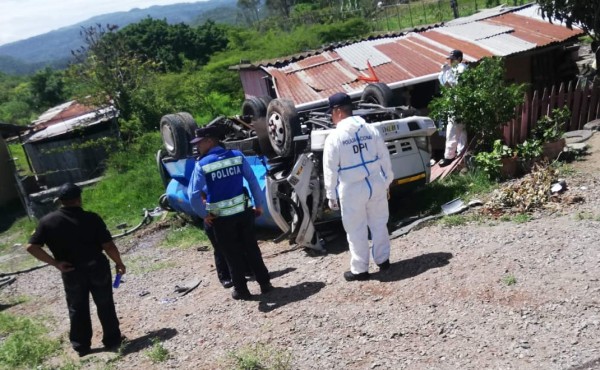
(482,100)
(551,127)
(158,353)
(529,149)
(491,162)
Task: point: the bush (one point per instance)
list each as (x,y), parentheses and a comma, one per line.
(482,100)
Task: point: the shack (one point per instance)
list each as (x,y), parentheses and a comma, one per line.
(70,142)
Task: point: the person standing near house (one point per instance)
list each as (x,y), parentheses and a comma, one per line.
(456,133)
(219,176)
(77,240)
(357,173)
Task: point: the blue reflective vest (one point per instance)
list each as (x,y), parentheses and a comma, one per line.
(219,175)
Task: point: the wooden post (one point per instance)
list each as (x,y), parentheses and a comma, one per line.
(553,98)
(525,117)
(535,110)
(544,111)
(585,96)
(593,110)
(561,96)
(576,110)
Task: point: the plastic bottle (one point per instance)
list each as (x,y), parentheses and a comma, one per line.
(117,281)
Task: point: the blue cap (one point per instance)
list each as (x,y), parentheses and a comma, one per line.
(338,100)
(210,131)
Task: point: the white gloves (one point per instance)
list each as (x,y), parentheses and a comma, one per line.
(333,204)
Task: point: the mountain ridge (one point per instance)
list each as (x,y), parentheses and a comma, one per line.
(54,48)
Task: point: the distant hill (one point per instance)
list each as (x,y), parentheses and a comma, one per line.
(54,48)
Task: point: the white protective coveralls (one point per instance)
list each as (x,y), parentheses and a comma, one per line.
(456,133)
(358,170)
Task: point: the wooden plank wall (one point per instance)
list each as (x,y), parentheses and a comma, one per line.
(583,100)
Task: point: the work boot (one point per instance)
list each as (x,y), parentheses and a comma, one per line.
(266,288)
(227,284)
(445,162)
(385,265)
(241,294)
(349,276)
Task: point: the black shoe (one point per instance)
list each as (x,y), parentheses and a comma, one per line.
(83,351)
(111,346)
(384,265)
(266,288)
(241,294)
(445,162)
(349,276)
(227,284)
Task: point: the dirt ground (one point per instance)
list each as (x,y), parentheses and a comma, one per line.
(446,303)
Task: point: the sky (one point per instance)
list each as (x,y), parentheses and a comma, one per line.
(21,19)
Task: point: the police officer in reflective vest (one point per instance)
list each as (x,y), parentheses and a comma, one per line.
(218,177)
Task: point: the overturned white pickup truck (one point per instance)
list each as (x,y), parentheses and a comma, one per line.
(285,150)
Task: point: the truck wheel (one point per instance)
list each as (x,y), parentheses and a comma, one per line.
(177,130)
(164,175)
(254,107)
(189,123)
(378,93)
(283,124)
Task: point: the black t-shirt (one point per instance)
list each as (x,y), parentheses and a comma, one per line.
(72,234)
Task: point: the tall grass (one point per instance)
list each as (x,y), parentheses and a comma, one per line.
(131,183)
(24,342)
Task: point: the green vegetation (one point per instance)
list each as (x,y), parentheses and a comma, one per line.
(259,357)
(185,236)
(24,342)
(158,353)
(430,199)
(131,184)
(482,100)
(521,218)
(509,280)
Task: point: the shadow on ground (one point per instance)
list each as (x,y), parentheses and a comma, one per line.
(412,267)
(11,213)
(146,341)
(279,297)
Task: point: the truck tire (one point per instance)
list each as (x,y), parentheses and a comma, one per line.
(177,131)
(283,124)
(378,93)
(254,107)
(164,175)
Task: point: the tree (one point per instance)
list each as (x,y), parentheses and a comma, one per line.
(169,45)
(482,100)
(108,69)
(47,88)
(582,13)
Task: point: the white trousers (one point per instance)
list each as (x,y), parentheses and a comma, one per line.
(456,139)
(359,213)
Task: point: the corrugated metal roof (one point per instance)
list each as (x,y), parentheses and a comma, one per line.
(85,120)
(474,31)
(413,57)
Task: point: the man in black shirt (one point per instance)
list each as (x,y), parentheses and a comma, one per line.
(76,239)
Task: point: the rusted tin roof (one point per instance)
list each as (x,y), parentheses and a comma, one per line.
(61,113)
(408,58)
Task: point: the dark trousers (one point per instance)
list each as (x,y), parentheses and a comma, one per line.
(235,239)
(220,262)
(95,278)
